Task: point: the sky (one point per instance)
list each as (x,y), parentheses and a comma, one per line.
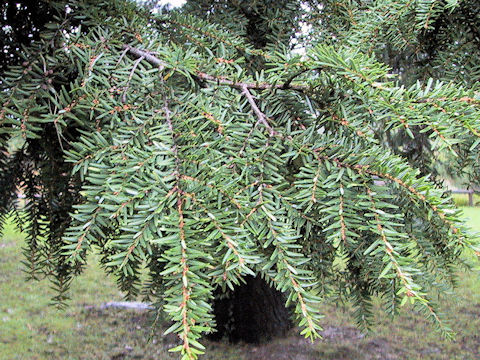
(174,3)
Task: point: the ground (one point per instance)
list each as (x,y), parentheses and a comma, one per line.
(32,330)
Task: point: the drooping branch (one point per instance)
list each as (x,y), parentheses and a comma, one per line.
(217,79)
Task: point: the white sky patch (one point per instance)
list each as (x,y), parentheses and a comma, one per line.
(174,3)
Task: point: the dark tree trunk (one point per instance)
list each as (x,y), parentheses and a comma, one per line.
(254,312)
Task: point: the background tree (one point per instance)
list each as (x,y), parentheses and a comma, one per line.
(208,153)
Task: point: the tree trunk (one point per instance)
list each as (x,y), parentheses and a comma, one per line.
(254,312)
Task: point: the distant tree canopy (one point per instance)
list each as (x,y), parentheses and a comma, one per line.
(235,139)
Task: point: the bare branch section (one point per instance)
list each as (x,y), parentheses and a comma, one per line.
(220,80)
(145,54)
(262,118)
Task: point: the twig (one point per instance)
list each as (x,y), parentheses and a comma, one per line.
(174,145)
(220,80)
(58,135)
(249,85)
(249,135)
(287,83)
(145,54)
(122,56)
(262,118)
(124,96)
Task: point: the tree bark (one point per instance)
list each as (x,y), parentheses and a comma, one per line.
(254,312)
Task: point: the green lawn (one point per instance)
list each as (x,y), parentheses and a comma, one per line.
(30,329)
(462,199)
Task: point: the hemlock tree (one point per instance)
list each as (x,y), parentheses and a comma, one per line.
(197,145)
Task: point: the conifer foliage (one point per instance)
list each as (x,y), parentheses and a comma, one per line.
(154,140)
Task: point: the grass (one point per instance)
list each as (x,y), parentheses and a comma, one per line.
(462,199)
(472,215)
(32,330)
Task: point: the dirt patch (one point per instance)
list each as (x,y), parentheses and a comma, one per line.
(291,348)
(341,333)
(379,348)
(473,310)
